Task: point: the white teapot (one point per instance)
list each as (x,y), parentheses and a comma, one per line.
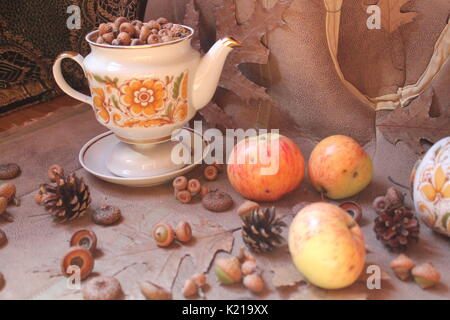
(143,93)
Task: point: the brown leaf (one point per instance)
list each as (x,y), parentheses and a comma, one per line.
(249,33)
(391,15)
(192,19)
(413,123)
(286,275)
(355,292)
(135,249)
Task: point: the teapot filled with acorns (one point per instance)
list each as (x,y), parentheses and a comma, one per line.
(146,81)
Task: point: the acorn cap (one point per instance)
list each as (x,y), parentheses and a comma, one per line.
(402,261)
(246,207)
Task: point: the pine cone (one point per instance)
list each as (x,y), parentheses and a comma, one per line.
(396,225)
(67,199)
(261,230)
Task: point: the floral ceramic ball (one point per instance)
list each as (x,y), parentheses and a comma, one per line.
(431,187)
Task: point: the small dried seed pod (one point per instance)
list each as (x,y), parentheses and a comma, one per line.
(145,32)
(194,186)
(168,26)
(127,28)
(246,207)
(109,37)
(166,38)
(152,291)
(184,196)
(426,275)
(153,39)
(183,232)
(124,38)
(106,215)
(189,288)
(104,28)
(100,40)
(152,24)
(85,239)
(180,183)
(136,42)
(9,171)
(55,172)
(254,283)
(228,270)
(210,173)
(3,205)
(248,267)
(8,191)
(80,257)
(102,288)
(199,279)
(163,234)
(3,238)
(353,209)
(162,20)
(120,20)
(204,191)
(402,266)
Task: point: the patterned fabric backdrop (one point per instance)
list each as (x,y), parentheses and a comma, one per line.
(33,33)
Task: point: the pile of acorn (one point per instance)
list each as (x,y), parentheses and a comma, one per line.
(123,32)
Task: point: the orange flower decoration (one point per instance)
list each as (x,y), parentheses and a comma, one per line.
(100,104)
(438,188)
(145,96)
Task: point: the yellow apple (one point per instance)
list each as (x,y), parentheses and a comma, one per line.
(327,246)
(339,167)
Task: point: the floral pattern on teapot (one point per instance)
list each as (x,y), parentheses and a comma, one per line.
(148,102)
(432,188)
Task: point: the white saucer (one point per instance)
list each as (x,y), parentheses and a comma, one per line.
(95,152)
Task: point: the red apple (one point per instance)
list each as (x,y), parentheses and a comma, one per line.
(265,167)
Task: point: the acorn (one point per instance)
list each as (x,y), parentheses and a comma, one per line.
(246,207)
(353,209)
(8,190)
(228,270)
(189,288)
(183,232)
(163,234)
(248,267)
(194,186)
(55,172)
(254,283)
(402,266)
(180,183)
(199,279)
(210,173)
(184,196)
(152,291)
(426,275)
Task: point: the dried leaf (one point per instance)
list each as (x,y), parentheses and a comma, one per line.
(250,34)
(355,292)
(391,15)
(286,275)
(135,249)
(192,19)
(216,116)
(413,123)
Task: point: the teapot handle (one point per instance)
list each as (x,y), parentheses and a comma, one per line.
(57,74)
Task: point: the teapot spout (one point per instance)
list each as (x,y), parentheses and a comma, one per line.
(209,70)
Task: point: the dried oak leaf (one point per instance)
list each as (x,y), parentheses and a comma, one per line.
(392,16)
(310,292)
(250,33)
(192,19)
(286,275)
(414,123)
